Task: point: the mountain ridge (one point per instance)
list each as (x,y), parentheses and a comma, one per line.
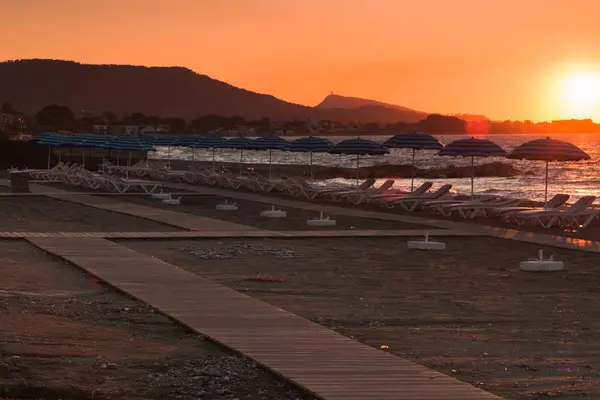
(339,101)
(173,91)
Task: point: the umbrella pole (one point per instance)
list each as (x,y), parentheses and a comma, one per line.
(472,177)
(169,156)
(49,152)
(118,157)
(193,158)
(412,181)
(357,170)
(241,159)
(270,163)
(546,187)
(83,158)
(311,167)
(129,165)
(213,160)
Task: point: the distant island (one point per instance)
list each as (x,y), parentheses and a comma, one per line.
(43,95)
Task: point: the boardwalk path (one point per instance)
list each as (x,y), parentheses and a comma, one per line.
(315,358)
(213,234)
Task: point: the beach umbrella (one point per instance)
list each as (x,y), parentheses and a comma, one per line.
(50,140)
(271,143)
(128,143)
(415,141)
(310,145)
(187,141)
(548,150)
(166,141)
(358,147)
(209,142)
(238,143)
(472,148)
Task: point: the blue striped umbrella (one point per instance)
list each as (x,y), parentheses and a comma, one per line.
(548,150)
(271,143)
(415,141)
(167,141)
(358,147)
(185,141)
(238,143)
(472,148)
(51,140)
(128,143)
(311,145)
(209,142)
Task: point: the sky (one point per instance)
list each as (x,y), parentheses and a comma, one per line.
(510,59)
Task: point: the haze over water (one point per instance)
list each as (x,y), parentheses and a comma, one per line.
(574,178)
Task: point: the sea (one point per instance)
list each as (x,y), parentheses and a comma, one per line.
(574,178)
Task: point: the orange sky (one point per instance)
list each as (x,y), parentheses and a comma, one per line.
(505,59)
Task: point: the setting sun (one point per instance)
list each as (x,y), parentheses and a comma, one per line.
(580,93)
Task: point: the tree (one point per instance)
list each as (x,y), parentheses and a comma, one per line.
(7,108)
(207,123)
(111,118)
(56,117)
(440,124)
(176,125)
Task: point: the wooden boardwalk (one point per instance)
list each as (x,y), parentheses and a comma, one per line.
(173,218)
(208,234)
(317,359)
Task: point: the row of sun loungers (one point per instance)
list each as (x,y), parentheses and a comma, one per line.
(77,175)
(579,214)
(424,198)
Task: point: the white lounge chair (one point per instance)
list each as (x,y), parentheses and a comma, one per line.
(553,204)
(441,205)
(390,195)
(362,196)
(411,203)
(473,210)
(569,216)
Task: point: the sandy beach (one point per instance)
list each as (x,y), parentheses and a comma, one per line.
(43,214)
(468,312)
(248,213)
(65,335)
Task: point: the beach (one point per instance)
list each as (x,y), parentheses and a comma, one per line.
(66,335)
(43,214)
(468,311)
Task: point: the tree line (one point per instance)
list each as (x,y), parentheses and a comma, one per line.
(55,117)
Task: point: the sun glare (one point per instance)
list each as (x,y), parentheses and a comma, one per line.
(581,94)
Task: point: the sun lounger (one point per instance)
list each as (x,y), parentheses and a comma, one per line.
(259,183)
(554,203)
(411,203)
(300,188)
(395,195)
(339,195)
(440,205)
(359,197)
(473,210)
(570,216)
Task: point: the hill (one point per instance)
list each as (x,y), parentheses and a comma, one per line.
(162,91)
(334,101)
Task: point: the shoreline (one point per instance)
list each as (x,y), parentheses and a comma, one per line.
(380,171)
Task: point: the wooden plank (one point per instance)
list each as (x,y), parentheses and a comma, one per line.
(313,357)
(173,218)
(241,234)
